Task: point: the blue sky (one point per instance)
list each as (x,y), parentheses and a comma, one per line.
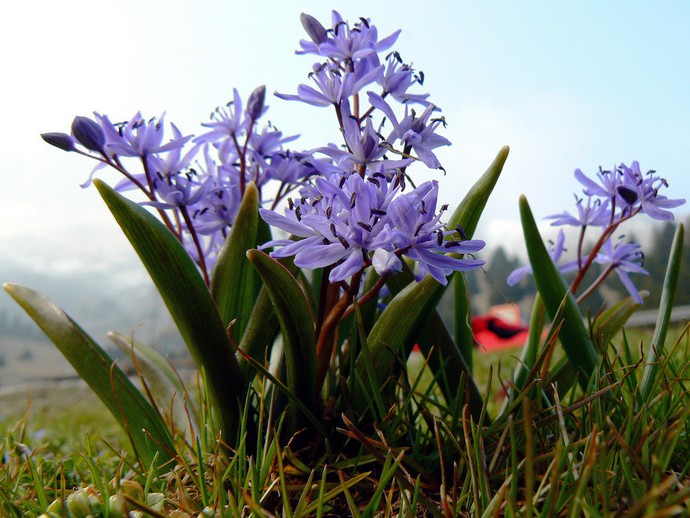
(566,85)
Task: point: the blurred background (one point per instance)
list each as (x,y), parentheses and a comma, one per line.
(567,86)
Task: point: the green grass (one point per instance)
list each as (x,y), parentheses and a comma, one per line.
(597,453)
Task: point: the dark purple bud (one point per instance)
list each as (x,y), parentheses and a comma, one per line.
(59,140)
(628,195)
(88,133)
(255,103)
(313,27)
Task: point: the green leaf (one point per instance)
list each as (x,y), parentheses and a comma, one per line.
(292,307)
(145,428)
(188,300)
(467,216)
(554,292)
(668,293)
(234,284)
(161,380)
(260,333)
(416,307)
(612,320)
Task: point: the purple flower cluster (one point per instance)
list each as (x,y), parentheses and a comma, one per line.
(612,198)
(357,214)
(195,183)
(347,208)
(355,222)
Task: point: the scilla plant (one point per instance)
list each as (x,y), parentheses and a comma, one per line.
(315,273)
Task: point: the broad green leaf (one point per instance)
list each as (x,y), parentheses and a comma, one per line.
(395,329)
(292,307)
(403,314)
(145,428)
(554,292)
(668,293)
(462,319)
(260,333)
(234,284)
(188,300)
(467,216)
(161,380)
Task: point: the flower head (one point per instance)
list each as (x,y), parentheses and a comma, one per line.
(624,258)
(342,42)
(350,222)
(556,252)
(596,213)
(416,133)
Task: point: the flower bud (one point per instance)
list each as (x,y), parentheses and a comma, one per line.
(56,508)
(133,489)
(155,501)
(255,103)
(313,27)
(78,504)
(88,133)
(117,506)
(59,140)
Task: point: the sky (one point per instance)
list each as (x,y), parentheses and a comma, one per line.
(565,84)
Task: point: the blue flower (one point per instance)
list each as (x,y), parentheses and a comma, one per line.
(625,258)
(397,79)
(227,122)
(334,85)
(343,42)
(138,137)
(350,222)
(595,213)
(364,146)
(555,251)
(631,191)
(417,133)
(641,192)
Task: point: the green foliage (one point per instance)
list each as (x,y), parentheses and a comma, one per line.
(149,436)
(558,301)
(188,299)
(312,400)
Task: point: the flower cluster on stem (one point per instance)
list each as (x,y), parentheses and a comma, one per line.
(610,199)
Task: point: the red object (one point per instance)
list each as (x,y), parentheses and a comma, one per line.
(493,333)
(499,329)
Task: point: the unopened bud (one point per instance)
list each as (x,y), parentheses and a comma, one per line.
(59,140)
(313,27)
(56,508)
(255,103)
(78,504)
(117,506)
(133,489)
(88,133)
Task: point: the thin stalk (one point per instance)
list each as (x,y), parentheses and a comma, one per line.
(197,243)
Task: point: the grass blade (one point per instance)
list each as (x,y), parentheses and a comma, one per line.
(668,293)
